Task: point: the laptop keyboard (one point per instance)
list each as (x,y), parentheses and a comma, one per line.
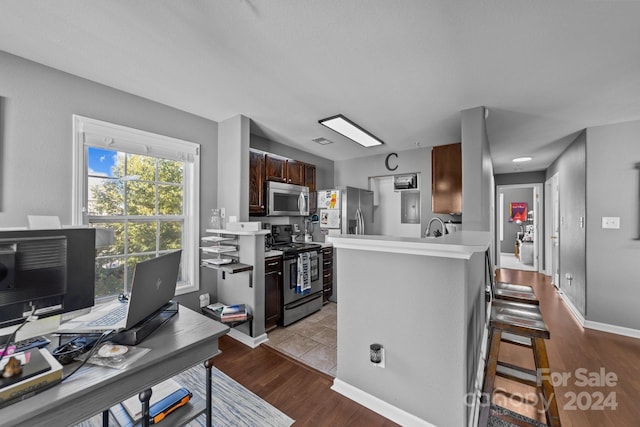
(111,318)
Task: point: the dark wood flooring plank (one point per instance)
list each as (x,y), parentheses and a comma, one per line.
(572,348)
(306,396)
(301,392)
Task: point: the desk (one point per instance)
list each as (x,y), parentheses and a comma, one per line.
(185,340)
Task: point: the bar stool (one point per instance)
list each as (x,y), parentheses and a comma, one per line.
(516,293)
(524,322)
(508,291)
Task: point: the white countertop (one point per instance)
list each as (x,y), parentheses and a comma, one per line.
(239,232)
(272,252)
(461,244)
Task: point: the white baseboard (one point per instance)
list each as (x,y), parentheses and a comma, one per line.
(383,408)
(598,326)
(613,329)
(574,310)
(245,339)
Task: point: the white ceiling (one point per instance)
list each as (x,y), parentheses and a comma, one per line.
(401,69)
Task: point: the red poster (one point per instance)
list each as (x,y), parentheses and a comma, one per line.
(518,212)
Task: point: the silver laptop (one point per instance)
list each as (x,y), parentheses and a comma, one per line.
(154,284)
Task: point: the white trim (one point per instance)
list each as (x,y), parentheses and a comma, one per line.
(537,219)
(572,308)
(612,329)
(245,339)
(117,137)
(383,408)
(122,138)
(598,326)
(460,245)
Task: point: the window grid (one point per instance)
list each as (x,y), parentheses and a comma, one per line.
(174,222)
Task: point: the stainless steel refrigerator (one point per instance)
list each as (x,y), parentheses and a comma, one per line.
(346,210)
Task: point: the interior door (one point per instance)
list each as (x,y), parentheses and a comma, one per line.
(555,230)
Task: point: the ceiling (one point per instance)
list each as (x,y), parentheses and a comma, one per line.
(401,69)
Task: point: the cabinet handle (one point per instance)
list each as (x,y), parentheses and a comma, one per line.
(272,263)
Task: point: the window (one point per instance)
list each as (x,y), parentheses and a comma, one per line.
(144,189)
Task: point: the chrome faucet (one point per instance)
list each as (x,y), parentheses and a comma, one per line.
(427,231)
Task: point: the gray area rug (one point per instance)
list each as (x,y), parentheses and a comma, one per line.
(232,403)
(497,422)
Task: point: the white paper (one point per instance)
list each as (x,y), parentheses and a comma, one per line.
(328,199)
(158,392)
(329,218)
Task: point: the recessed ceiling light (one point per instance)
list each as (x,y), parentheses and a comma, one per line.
(347,128)
(522,159)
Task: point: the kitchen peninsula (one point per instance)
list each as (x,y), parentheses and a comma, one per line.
(423,300)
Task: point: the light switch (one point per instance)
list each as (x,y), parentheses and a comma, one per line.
(611,222)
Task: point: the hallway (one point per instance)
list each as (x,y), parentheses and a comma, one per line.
(509,260)
(584,358)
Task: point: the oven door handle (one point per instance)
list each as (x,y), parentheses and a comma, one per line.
(303,301)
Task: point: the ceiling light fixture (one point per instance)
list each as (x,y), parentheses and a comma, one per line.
(347,128)
(522,159)
(322,141)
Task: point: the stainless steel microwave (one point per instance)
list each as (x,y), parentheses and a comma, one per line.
(287,199)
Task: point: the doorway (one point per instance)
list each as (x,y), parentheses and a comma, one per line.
(519,240)
(552,229)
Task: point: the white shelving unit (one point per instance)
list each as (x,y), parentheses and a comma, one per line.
(220,252)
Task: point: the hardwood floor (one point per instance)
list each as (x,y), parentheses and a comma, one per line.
(581,355)
(305,395)
(300,392)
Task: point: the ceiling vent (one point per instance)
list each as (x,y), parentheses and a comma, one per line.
(322,141)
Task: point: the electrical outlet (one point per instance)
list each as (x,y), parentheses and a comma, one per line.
(611,222)
(204,300)
(382,359)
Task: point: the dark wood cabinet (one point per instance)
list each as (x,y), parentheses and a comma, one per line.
(295,172)
(275,168)
(446,179)
(310,181)
(272,291)
(310,176)
(256,183)
(265,167)
(327,273)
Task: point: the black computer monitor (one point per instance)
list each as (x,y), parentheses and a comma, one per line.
(51,270)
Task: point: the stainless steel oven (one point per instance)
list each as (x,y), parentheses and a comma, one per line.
(298,305)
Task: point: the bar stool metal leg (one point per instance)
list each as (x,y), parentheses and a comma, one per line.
(208,364)
(145,397)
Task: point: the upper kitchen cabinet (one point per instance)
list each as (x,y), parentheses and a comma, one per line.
(271,167)
(310,177)
(446,179)
(295,172)
(275,168)
(256,182)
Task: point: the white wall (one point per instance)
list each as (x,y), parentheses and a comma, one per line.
(478,204)
(37,104)
(356,173)
(427,313)
(233,167)
(613,284)
(388,215)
